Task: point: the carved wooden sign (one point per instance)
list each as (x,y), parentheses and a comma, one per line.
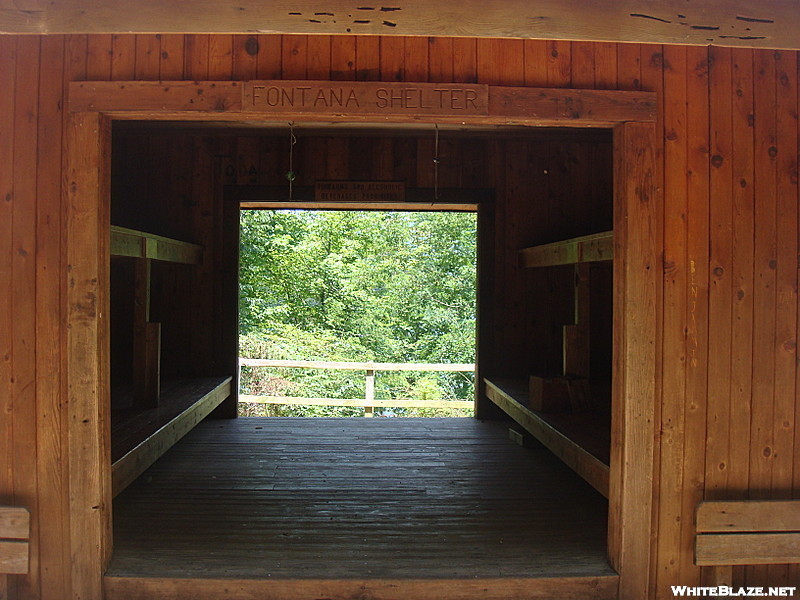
(360,191)
(376,98)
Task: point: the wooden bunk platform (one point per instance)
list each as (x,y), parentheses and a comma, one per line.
(139,438)
(581,440)
(358,508)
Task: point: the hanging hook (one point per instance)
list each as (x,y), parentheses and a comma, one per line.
(290,174)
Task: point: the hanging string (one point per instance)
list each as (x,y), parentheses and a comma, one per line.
(290,174)
(436,164)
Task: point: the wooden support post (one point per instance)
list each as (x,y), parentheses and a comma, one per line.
(576,337)
(146,340)
(369,409)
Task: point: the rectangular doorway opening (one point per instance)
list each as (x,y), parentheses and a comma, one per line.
(288,503)
(357,313)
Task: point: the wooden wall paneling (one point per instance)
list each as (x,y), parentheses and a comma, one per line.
(123,57)
(196,57)
(786,286)
(764,267)
(23,330)
(425,157)
(501,62)
(465,60)
(87,255)
(675,317)
(53,493)
(98,57)
(382,159)
(718,435)
(392,58)
(172,57)
(415,59)
(652,79)
(742,319)
(582,69)
(319,57)
(629,67)
(343,58)
(605,66)
(697,236)
(202,219)
(637,272)
(559,63)
(270,56)
(7,82)
(440,59)
(148,57)
(248,160)
(220,58)
(762,450)
(535,58)
(245,50)
(294,56)
(367,58)
(794,570)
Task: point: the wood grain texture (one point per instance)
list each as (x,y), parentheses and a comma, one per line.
(748,515)
(359,490)
(747,549)
(732,22)
(743,337)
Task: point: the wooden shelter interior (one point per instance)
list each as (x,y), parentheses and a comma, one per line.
(545,310)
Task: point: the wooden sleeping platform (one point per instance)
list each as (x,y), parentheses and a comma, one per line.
(385,509)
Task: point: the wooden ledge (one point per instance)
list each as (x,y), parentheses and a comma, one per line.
(138,244)
(14,534)
(597,247)
(576,445)
(140,440)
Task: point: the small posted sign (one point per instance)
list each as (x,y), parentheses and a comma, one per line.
(360,191)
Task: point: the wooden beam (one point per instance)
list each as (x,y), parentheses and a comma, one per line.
(14,557)
(356,402)
(720,22)
(748,515)
(508,397)
(272,196)
(357,366)
(712,549)
(588,248)
(15,522)
(225,100)
(498,588)
(138,244)
(144,454)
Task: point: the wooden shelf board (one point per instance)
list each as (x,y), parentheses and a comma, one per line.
(139,439)
(581,440)
(138,244)
(596,247)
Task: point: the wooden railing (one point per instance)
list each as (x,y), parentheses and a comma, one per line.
(369,402)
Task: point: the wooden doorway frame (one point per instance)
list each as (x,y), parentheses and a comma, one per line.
(638,242)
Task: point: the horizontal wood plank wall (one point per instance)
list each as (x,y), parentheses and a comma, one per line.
(728,372)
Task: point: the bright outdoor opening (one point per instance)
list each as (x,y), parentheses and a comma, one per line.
(373,310)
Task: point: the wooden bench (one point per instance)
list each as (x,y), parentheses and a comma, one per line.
(14,534)
(746,532)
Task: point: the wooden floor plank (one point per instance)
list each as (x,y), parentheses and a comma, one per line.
(276,508)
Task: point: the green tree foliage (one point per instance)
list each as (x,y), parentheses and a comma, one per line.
(358,286)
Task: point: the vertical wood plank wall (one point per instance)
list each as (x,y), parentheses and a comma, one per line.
(727,387)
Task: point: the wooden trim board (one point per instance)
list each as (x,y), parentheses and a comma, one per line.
(138,244)
(772,25)
(555,107)
(135,462)
(585,588)
(580,460)
(588,248)
(721,549)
